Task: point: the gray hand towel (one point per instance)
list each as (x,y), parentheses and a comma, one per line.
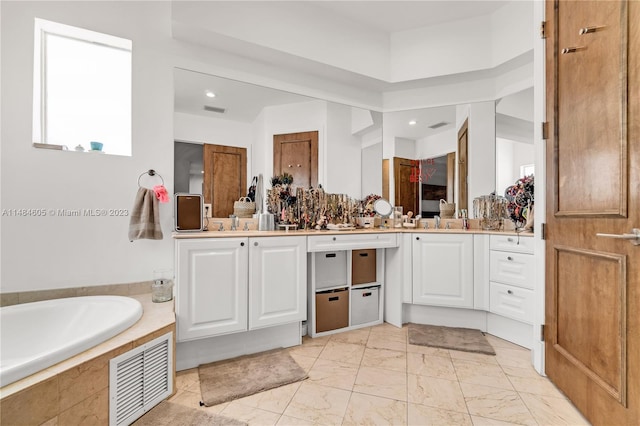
(145,217)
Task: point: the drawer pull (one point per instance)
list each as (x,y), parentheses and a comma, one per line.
(255,244)
(330,255)
(364,254)
(417,238)
(366,294)
(241,244)
(509,258)
(334,298)
(509,292)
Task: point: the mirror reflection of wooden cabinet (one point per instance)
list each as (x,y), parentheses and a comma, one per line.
(225,177)
(463,165)
(297,155)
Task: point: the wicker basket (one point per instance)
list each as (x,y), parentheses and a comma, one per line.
(244,207)
(447,210)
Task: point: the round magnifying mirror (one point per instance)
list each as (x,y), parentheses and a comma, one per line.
(382,207)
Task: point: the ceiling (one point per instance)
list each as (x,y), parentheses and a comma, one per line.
(395,16)
(243,102)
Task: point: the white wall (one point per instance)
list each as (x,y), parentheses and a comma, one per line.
(52,252)
(482,150)
(196,128)
(344,153)
(439,144)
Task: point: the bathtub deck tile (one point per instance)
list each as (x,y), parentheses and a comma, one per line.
(94,410)
(34,405)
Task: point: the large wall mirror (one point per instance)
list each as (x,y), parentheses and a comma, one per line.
(422,162)
(238,118)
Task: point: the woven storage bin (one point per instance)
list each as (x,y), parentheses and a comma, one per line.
(447,210)
(244,207)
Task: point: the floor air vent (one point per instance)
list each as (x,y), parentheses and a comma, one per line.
(139,380)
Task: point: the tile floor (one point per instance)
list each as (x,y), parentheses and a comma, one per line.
(373,376)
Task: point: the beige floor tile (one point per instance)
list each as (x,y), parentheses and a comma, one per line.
(495,403)
(274,400)
(187,379)
(529,381)
(386,328)
(437,393)
(497,342)
(428,350)
(548,410)
(383,383)
(391,341)
(335,374)
(473,356)
(310,347)
(251,415)
(292,421)
(483,421)
(357,337)
(513,358)
(343,352)
(318,404)
(372,410)
(432,366)
(305,362)
(192,400)
(481,374)
(421,415)
(384,358)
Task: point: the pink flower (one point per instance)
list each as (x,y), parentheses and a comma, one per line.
(161,193)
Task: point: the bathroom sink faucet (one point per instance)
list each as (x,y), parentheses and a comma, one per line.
(437,219)
(221,228)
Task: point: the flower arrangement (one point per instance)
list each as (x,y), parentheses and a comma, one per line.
(520,200)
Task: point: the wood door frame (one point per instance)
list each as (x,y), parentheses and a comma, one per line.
(463,187)
(312,136)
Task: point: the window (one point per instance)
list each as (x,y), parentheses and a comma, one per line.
(82,89)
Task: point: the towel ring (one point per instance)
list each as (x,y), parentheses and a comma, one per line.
(150,172)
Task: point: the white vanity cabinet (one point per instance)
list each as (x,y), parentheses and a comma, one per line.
(230,285)
(211,286)
(511,288)
(277,280)
(442,270)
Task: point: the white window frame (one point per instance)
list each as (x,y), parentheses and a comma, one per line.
(43,27)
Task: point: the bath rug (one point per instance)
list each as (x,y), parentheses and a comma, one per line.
(171,414)
(230,379)
(459,339)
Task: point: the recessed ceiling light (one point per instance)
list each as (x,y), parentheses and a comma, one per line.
(210,94)
(412,123)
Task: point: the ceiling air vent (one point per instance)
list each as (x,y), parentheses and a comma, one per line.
(214,109)
(440,124)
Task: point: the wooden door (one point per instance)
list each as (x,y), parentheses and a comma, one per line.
(463,165)
(225,177)
(297,155)
(592,302)
(406,184)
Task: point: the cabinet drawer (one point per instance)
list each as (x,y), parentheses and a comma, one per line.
(510,301)
(351,241)
(511,268)
(512,243)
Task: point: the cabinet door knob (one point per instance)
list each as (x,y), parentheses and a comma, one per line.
(255,244)
(509,292)
(334,238)
(417,238)
(509,258)
(241,244)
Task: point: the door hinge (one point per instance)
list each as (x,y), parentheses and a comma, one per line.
(542,332)
(545,130)
(543,29)
(543,231)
